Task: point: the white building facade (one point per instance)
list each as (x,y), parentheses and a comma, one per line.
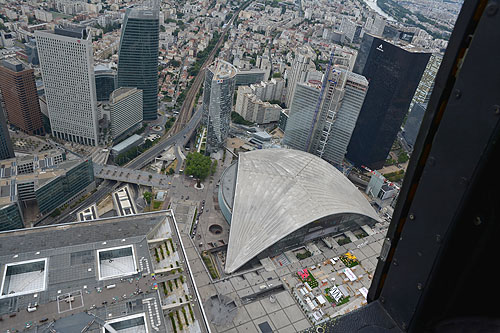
(125,110)
(66,61)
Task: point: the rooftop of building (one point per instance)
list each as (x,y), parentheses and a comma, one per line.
(77,273)
(88,214)
(123,201)
(125,143)
(277,192)
(143,13)
(13,64)
(222,70)
(74,31)
(403,45)
(121,93)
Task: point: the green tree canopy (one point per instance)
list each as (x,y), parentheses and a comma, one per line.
(198,165)
(147,197)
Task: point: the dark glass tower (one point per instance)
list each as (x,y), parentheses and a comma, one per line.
(105,83)
(6,149)
(138,56)
(394,73)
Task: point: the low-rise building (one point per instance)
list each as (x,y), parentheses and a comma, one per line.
(36,185)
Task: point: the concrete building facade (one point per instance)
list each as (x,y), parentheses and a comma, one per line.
(125,110)
(322,123)
(298,72)
(66,61)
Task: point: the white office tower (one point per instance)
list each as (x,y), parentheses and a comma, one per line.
(125,110)
(355,88)
(322,117)
(298,73)
(66,61)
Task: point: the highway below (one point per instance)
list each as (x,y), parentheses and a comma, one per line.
(139,162)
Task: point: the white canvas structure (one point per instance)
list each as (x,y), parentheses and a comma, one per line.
(279,191)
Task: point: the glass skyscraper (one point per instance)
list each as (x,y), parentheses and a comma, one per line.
(394,73)
(138,56)
(105,83)
(218,102)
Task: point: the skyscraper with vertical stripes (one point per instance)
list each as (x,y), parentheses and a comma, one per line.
(138,56)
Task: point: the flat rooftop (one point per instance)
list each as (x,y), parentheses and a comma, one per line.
(123,201)
(72,272)
(37,169)
(88,214)
(222,70)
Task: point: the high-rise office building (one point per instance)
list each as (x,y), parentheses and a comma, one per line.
(66,61)
(426,84)
(412,125)
(125,110)
(18,87)
(6,149)
(321,119)
(301,115)
(394,73)
(298,72)
(355,89)
(217,102)
(138,56)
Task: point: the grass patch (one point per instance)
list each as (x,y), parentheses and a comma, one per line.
(171,244)
(156,255)
(165,288)
(176,285)
(311,281)
(179,320)
(156,205)
(343,300)
(344,241)
(191,313)
(301,256)
(185,316)
(170,285)
(210,265)
(171,315)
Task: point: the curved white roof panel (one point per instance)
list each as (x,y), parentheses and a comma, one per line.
(281,190)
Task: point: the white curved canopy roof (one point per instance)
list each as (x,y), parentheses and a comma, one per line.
(281,190)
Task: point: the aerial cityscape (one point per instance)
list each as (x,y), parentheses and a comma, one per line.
(205,165)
